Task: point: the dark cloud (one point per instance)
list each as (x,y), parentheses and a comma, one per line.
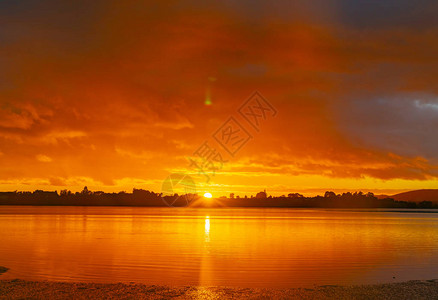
(365,14)
(403,124)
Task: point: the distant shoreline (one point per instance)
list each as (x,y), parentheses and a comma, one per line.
(362,209)
(18,289)
(145,198)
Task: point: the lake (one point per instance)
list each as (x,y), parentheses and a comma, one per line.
(227,247)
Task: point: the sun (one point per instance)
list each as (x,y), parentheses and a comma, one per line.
(208,195)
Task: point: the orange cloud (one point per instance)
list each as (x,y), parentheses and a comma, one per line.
(113,93)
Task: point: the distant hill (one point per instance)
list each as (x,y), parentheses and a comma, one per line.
(417,196)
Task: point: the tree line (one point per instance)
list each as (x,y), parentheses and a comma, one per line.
(140,197)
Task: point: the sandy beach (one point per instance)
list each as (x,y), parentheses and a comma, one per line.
(20,289)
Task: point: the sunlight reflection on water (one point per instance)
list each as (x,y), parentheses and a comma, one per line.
(231,247)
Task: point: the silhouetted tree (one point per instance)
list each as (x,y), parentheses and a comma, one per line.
(261,194)
(329,195)
(85,191)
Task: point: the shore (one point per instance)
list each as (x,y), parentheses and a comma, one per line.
(20,289)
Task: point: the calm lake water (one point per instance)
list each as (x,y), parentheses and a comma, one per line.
(228,247)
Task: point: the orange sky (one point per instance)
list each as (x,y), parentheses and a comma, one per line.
(111,95)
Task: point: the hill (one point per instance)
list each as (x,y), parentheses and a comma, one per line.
(417,196)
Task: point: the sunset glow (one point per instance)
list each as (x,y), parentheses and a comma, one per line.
(121,99)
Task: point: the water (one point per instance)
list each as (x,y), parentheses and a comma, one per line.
(227,247)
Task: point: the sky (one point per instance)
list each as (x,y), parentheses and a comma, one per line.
(118,95)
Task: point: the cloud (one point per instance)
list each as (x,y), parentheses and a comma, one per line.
(43,158)
(119,95)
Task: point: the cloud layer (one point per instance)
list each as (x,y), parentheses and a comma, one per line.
(111,94)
